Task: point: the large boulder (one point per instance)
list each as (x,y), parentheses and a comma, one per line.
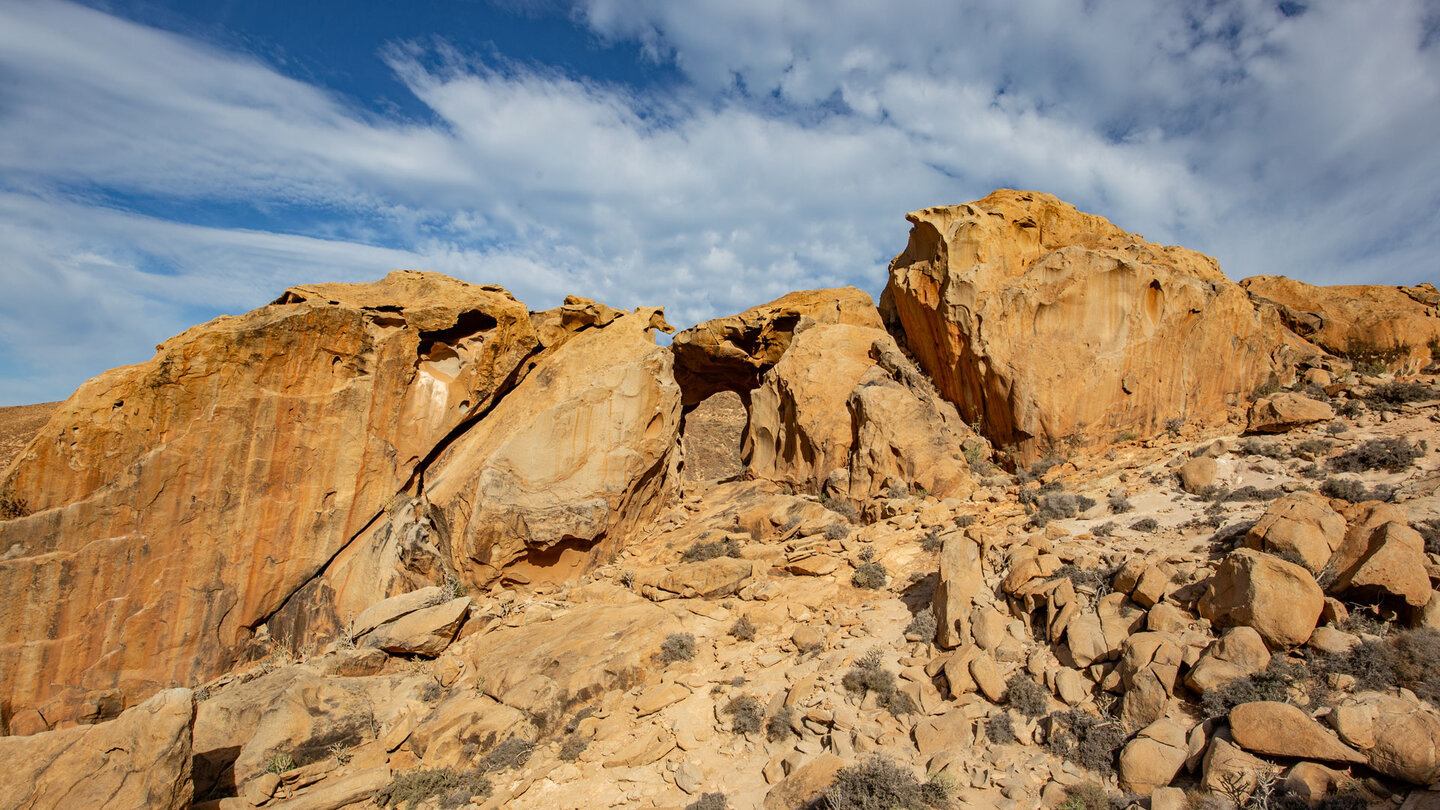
(139,761)
(1281,730)
(178,503)
(1282,412)
(576,454)
(1396,326)
(1047,324)
(1238,653)
(1392,565)
(843,399)
(1153,757)
(961,580)
(1302,524)
(1279,599)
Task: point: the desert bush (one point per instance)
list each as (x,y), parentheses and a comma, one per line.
(779,726)
(1000,728)
(1173,425)
(1254,447)
(702,551)
(746,715)
(837,531)
(677,647)
(1392,454)
(1430,531)
(1086,796)
(1025,696)
(1119,502)
(931,542)
(844,509)
(922,624)
(1274,683)
(879,783)
(1310,449)
(1105,529)
(870,576)
(512,753)
(709,801)
(1396,393)
(1083,503)
(12,506)
(1408,658)
(743,629)
(413,787)
(1086,740)
(1148,524)
(627,578)
(1336,428)
(1054,506)
(1350,489)
(430,692)
(867,675)
(1096,579)
(572,747)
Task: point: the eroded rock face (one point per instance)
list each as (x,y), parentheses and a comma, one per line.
(1047,324)
(730,354)
(1396,326)
(179,502)
(579,450)
(138,761)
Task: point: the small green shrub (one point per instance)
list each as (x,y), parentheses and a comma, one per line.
(1392,454)
(279,763)
(1026,696)
(746,714)
(1000,729)
(709,801)
(1086,796)
(677,647)
(743,629)
(879,783)
(700,552)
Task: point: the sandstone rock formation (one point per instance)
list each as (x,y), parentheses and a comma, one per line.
(1397,327)
(178,503)
(1046,325)
(139,761)
(1280,600)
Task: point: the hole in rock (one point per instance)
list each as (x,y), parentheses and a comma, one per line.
(713,433)
(567,559)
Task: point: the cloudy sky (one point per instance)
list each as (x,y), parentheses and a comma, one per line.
(162,162)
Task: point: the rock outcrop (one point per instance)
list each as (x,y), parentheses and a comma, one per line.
(1048,326)
(1396,327)
(178,503)
(139,761)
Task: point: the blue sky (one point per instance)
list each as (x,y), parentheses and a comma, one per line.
(162,162)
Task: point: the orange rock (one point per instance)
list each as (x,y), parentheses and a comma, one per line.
(179,502)
(1397,326)
(1049,325)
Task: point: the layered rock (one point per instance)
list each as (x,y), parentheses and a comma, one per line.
(179,502)
(1048,325)
(1395,326)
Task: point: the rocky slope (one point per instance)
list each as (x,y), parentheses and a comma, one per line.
(409,541)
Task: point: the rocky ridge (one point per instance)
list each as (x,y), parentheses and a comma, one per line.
(408,540)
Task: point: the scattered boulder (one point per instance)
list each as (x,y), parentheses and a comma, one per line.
(426,632)
(1301,523)
(1238,653)
(961,580)
(805,785)
(1278,598)
(1399,737)
(1283,412)
(138,761)
(1198,474)
(1153,757)
(1392,566)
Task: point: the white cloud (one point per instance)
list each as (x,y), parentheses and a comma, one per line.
(1241,134)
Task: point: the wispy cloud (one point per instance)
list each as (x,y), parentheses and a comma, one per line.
(148,180)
